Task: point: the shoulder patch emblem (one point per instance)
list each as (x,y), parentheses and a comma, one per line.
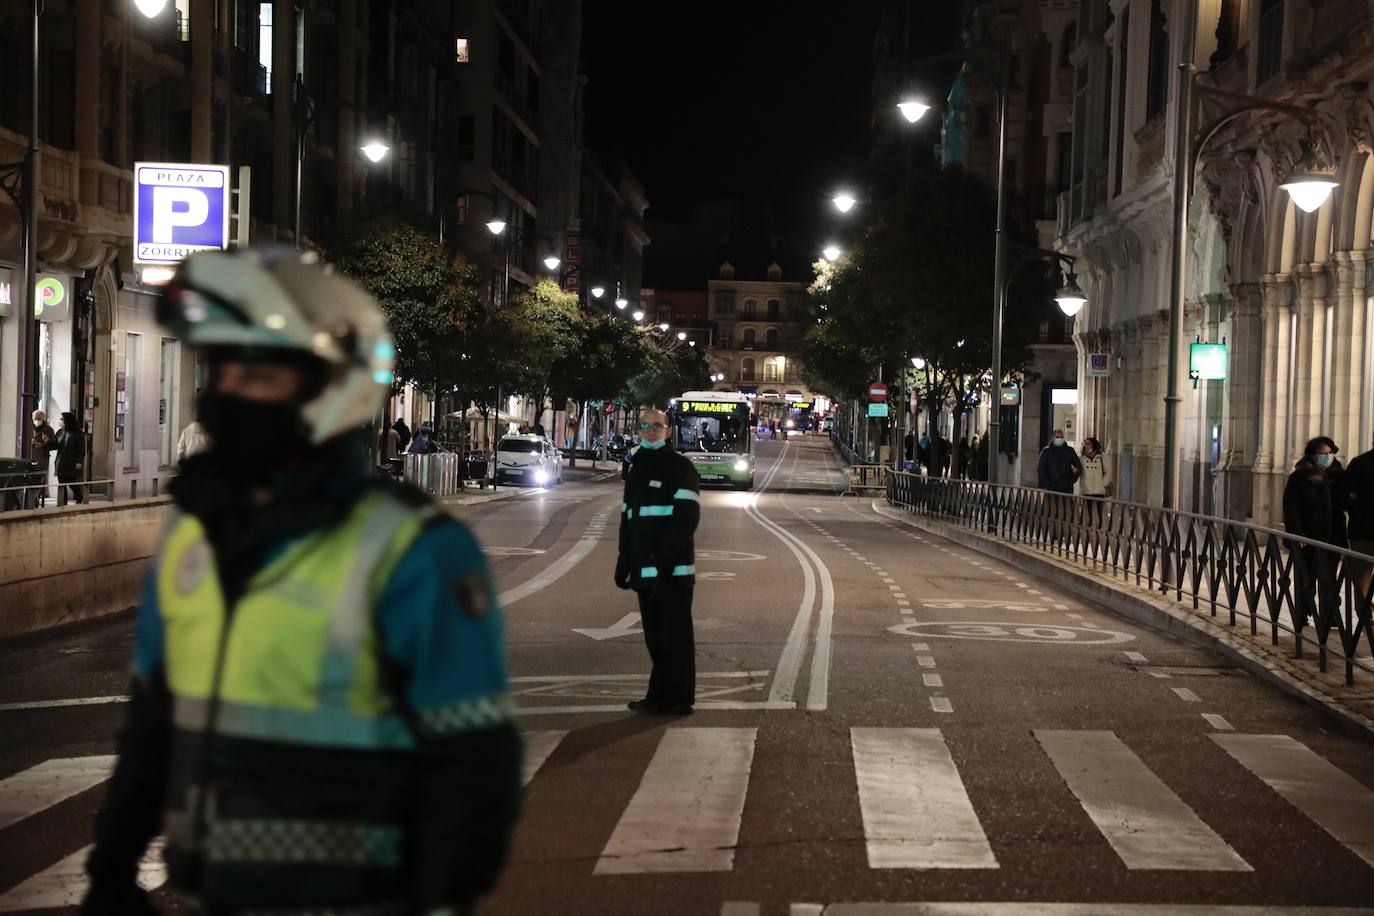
(193,568)
(473,596)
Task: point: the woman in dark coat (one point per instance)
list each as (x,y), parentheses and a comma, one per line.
(71,458)
(1312,510)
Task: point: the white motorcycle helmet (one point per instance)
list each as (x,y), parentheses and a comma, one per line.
(265,303)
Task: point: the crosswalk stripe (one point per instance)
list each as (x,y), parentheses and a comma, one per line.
(1339,804)
(30,791)
(916,813)
(1145,822)
(685,815)
(64,884)
(538,747)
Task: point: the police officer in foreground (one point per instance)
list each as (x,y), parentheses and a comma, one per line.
(658,520)
(319,718)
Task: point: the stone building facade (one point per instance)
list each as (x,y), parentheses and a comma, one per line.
(1288,291)
(757,332)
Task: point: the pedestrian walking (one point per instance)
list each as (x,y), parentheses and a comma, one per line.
(320,705)
(403,436)
(71,458)
(1058,468)
(923,452)
(1093,484)
(419,444)
(1356,496)
(963,453)
(44,444)
(1312,509)
(192,441)
(658,522)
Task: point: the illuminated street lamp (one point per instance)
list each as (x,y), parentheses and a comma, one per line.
(621,302)
(663,327)
(1309,190)
(912,109)
(637,314)
(831,253)
(496,226)
(844,201)
(598,292)
(917,362)
(375,151)
(1070,297)
(150,8)
(681,335)
(552,262)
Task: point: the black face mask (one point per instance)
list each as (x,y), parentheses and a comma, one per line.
(258,437)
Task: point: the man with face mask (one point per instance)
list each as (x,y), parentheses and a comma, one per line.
(1059,468)
(44,444)
(658,521)
(320,718)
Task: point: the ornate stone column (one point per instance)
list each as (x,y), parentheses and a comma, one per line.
(1311,350)
(1343,400)
(1130,446)
(1241,403)
(1272,465)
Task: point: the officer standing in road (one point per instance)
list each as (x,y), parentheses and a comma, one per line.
(320,719)
(658,521)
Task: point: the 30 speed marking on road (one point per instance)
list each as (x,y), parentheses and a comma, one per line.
(957,603)
(1012,632)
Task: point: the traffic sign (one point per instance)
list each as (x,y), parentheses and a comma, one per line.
(877,391)
(179,208)
(877,409)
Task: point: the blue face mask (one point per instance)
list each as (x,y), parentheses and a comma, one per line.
(1057,441)
(653,445)
(1324,460)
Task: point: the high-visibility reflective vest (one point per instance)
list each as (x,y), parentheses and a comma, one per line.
(295,686)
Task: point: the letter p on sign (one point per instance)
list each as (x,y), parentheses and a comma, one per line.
(175,208)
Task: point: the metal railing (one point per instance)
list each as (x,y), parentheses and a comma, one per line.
(101,491)
(1246,571)
(438,474)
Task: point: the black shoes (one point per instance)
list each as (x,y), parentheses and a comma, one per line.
(644,707)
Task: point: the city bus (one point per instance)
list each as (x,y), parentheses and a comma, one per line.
(712,429)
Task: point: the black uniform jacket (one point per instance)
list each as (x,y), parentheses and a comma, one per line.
(658,518)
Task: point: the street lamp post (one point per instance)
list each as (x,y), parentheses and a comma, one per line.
(1308,190)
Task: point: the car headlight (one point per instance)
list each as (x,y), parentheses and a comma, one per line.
(791,424)
(741,465)
(541,476)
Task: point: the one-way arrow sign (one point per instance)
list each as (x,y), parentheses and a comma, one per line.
(625,626)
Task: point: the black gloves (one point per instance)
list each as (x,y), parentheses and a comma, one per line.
(622,574)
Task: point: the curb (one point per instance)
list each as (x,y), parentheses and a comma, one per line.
(1143,608)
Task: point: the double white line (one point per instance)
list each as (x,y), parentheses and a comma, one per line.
(814,571)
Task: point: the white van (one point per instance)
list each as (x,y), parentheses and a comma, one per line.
(530,461)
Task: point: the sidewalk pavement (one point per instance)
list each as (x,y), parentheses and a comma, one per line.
(1254,652)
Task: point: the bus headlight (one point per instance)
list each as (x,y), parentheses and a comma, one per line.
(741,466)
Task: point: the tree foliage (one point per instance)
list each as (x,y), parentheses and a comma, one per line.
(668,370)
(920,283)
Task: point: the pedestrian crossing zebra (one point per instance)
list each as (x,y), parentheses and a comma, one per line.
(913,802)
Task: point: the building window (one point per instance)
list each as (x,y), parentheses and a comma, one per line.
(1270,39)
(467,138)
(133,360)
(746,370)
(750,308)
(1067,44)
(183,11)
(1014,73)
(747,341)
(725,303)
(1157,84)
(982,122)
(772,339)
(772,371)
(773,309)
(462,53)
(1122,51)
(725,341)
(774,272)
(265,44)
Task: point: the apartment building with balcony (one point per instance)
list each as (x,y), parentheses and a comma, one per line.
(228,82)
(758,326)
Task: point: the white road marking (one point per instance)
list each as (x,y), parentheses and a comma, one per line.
(932,680)
(1145,822)
(1135,657)
(538,747)
(545,678)
(1218,722)
(739,908)
(550,574)
(701,706)
(29,791)
(916,813)
(921,646)
(1186,695)
(941,704)
(806,909)
(65,883)
(57,704)
(685,815)
(925,661)
(625,626)
(1335,800)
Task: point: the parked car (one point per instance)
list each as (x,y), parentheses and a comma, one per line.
(530,460)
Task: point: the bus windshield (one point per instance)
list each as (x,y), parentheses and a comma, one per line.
(720,433)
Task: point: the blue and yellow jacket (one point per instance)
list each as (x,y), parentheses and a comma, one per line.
(340,733)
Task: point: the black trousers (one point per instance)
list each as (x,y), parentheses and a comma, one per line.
(665,611)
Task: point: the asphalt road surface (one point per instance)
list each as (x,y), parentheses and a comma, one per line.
(885,722)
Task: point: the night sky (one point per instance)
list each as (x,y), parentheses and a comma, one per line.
(767,101)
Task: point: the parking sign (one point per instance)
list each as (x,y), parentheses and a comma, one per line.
(179,208)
